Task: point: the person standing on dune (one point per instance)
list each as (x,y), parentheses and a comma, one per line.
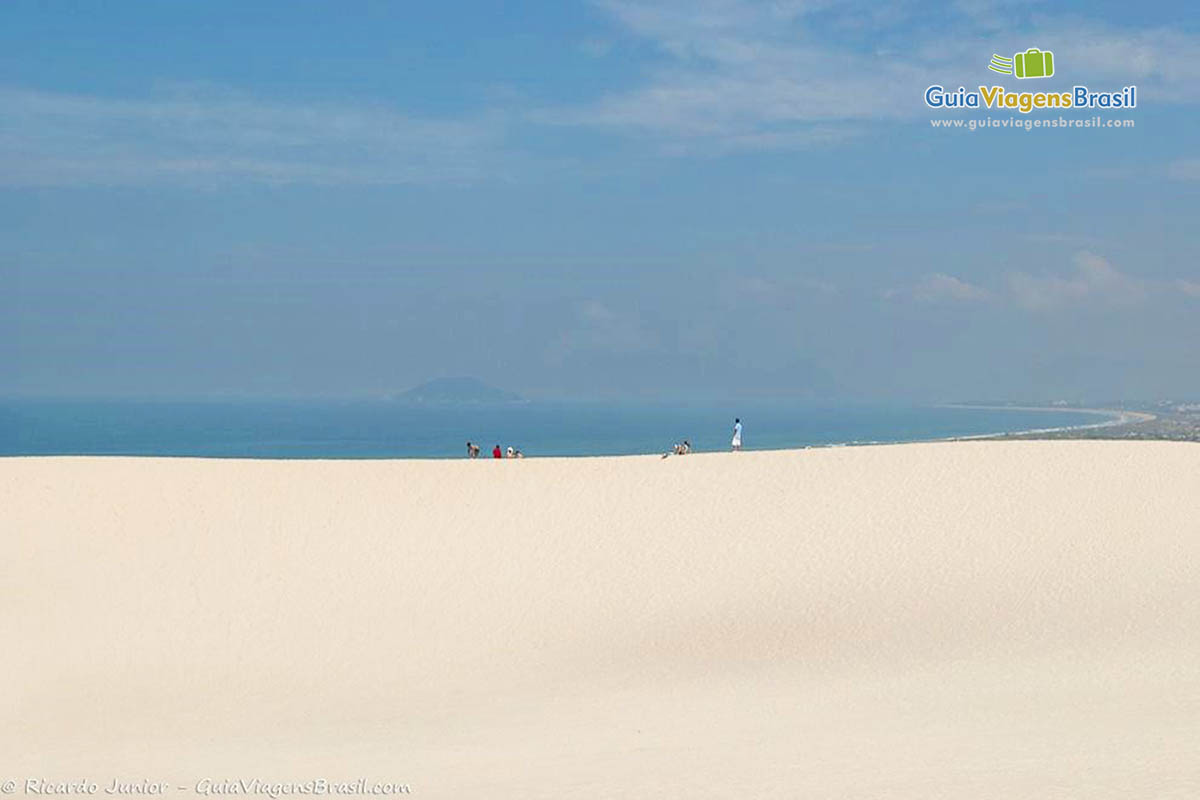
(737,434)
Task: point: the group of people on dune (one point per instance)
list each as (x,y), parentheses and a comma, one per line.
(512,452)
(678,449)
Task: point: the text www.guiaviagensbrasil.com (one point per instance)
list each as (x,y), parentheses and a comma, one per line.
(1015,123)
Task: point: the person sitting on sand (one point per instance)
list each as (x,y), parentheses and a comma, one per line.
(496,452)
(510,453)
(472,450)
(680,449)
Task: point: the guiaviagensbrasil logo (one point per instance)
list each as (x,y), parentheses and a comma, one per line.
(1031,63)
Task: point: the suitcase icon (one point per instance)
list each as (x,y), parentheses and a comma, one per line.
(1034,63)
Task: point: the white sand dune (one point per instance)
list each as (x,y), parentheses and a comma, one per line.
(957,620)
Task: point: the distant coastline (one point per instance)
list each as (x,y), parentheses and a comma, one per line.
(1164,422)
(1116,417)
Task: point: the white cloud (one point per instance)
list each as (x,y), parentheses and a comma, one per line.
(1186,169)
(211,136)
(741,75)
(729,75)
(786,290)
(1163,62)
(1190,288)
(597,327)
(992,15)
(596,48)
(940,288)
(1094,280)
(1057,238)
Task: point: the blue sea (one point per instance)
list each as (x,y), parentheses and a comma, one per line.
(381,429)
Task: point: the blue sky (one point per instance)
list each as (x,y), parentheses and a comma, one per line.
(588,200)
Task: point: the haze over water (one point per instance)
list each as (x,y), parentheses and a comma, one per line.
(391,430)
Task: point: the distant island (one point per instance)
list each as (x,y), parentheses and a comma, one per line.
(456,392)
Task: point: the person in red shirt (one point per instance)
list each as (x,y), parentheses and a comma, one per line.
(496,452)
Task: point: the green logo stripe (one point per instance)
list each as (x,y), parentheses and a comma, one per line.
(1001,64)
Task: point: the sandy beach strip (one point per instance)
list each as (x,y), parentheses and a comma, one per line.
(958,620)
(1115,417)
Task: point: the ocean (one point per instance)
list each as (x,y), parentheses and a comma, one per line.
(380,429)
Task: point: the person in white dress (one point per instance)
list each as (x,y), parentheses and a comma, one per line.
(737,434)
